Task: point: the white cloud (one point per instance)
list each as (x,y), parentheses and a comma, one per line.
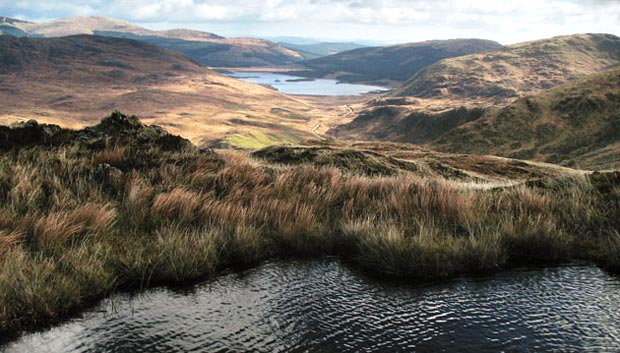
(506,20)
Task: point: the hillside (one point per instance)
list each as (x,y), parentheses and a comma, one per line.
(404,124)
(77,58)
(73,81)
(10,26)
(575,124)
(205,48)
(321,49)
(516,69)
(392,63)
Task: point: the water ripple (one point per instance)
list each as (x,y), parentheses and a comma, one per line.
(321,306)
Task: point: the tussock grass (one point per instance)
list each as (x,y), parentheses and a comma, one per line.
(61,228)
(67,239)
(179,204)
(115,157)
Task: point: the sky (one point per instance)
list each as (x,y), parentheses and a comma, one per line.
(388,21)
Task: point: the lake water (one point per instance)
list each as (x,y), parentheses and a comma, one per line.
(300,86)
(323,306)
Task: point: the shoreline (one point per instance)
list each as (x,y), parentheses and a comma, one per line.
(357,270)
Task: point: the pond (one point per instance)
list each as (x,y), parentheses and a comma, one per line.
(303,86)
(324,306)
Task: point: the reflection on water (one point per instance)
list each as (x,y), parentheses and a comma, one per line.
(297,85)
(321,306)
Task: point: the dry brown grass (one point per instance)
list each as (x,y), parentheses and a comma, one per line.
(189,214)
(9,241)
(114,157)
(179,204)
(62,228)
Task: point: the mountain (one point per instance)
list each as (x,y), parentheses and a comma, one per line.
(321,49)
(10,21)
(576,124)
(77,58)
(516,69)
(74,81)
(392,63)
(10,26)
(205,48)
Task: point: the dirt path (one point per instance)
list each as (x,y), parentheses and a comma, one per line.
(330,122)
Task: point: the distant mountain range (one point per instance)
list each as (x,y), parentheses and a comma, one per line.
(321,49)
(205,48)
(392,63)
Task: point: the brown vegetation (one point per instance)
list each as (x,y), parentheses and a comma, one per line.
(575,124)
(69,237)
(73,81)
(517,69)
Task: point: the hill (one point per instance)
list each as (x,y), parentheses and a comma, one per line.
(205,48)
(321,49)
(73,81)
(77,58)
(9,26)
(518,69)
(392,63)
(575,124)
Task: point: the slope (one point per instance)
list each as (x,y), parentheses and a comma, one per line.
(393,63)
(517,69)
(321,49)
(575,124)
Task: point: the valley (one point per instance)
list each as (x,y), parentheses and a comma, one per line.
(210,109)
(430,179)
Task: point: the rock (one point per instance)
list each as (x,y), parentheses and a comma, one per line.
(106,174)
(119,122)
(31,123)
(113,131)
(86,134)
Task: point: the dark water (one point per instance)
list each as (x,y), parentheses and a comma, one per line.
(300,86)
(322,306)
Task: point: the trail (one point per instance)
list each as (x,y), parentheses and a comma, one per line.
(330,122)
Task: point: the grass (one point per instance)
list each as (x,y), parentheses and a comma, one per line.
(68,239)
(255,140)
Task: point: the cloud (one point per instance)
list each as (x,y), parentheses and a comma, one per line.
(508,19)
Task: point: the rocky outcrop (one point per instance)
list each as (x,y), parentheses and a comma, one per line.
(116,130)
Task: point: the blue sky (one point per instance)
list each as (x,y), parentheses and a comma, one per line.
(507,21)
